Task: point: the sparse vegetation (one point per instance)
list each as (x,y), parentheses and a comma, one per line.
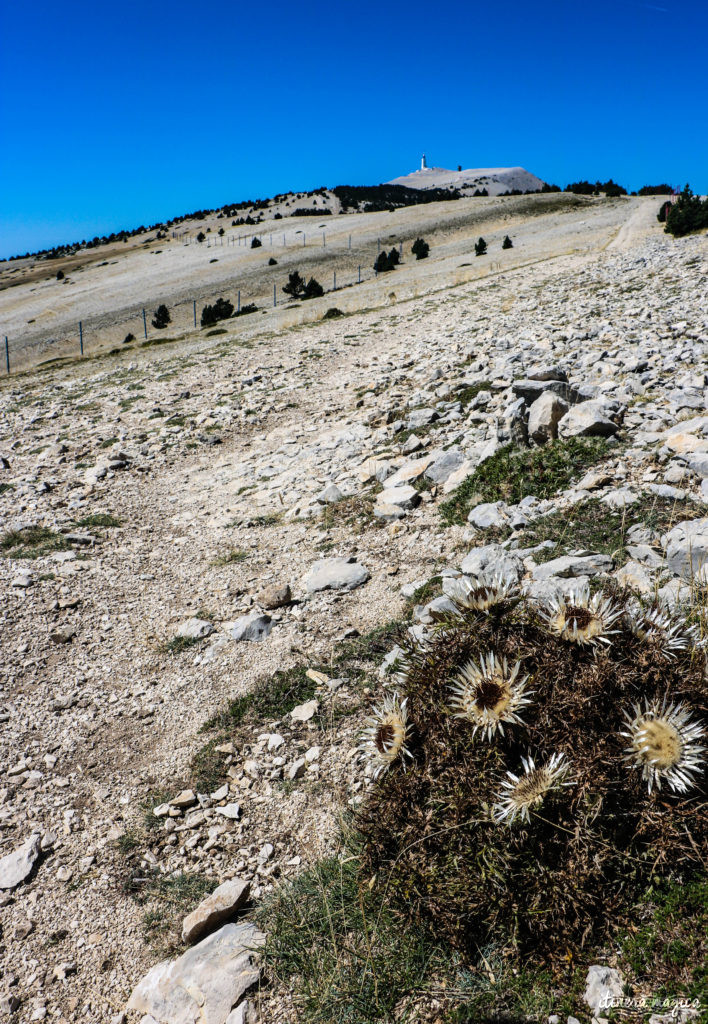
(32,542)
(480,247)
(514,473)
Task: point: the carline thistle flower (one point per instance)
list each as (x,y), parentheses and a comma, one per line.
(662,630)
(484,593)
(580,618)
(386,734)
(663,743)
(489,694)
(520,794)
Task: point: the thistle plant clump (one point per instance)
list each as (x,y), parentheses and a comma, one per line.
(543,764)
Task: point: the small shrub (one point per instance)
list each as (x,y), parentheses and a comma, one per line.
(250,307)
(559,851)
(201,236)
(256,243)
(507,243)
(272,262)
(332,313)
(162,317)
(60,275)
(480,247)
(128,338)
(420,249)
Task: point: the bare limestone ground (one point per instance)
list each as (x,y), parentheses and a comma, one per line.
(161,485)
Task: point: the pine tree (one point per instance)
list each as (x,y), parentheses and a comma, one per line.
(162,317)
(480,248)
(420,249)
(256,243)
(295,286)
(507,243)
(383,263)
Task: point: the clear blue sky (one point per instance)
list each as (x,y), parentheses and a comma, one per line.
(112,115)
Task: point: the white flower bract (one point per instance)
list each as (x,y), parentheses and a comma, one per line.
(581,618)
(520,794)
(480,595)
(386,733)
(663,743)
(665,632)
(489,694)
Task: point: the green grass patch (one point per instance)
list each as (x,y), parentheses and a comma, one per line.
(219,330)
(232,557)
(466,394)
(98,519)
(109,442)
(344,953)
(595,526)
(32,542)
(181,643)
(667,952)
(6,487)
(514,473)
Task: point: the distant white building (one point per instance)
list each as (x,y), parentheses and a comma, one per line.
(423,163)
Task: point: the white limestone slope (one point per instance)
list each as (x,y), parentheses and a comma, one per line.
(495,179)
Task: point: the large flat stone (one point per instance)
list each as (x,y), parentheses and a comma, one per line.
(687,547)
(490,559)
(335,574)
(589,419)
(253,627)
(204,984)
(215,909)
(544,416)
(573,565)
(17,866)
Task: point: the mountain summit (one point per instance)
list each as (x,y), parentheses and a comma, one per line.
(495,179)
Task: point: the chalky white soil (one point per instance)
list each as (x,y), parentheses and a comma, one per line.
(96,714)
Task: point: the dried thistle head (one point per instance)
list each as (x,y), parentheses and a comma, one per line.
(520,794)
(581,618)
(663,630)
(483,594)
(489,694)
(663,743)
(386,733)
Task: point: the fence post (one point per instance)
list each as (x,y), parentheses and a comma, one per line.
(324,241)
(194,304)
(7,353)
(239,303)
(350,241)
(378,242)
(303,238)
(283,240)
(274,300)
(335,281)
(360,273)
(81,337)
(145,325)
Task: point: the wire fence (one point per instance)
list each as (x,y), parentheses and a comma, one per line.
(187,314)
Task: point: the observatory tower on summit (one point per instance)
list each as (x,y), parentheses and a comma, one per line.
(423,163)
